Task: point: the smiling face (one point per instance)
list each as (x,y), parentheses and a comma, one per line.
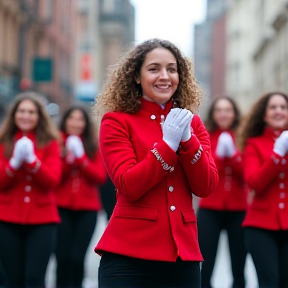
(26,116)
(276,115)
(159,77)
(75,123)
(224,114)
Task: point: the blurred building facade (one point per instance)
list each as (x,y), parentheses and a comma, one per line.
(255,45)
(210,51)
(37,46)
(257,49)
(60,47)
(106,29)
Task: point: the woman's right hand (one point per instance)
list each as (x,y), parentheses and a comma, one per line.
(18,155)
(174,126)
(281,144)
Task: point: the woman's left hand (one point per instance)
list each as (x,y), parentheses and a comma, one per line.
(28,149)
(187,131)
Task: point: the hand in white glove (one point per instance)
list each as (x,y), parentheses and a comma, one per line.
(75,144)
(225,146)
(28,150)
(18,156)
(187,131)
(281,144)
(174,126)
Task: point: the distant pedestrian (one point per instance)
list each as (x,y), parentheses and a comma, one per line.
(157,157)
(265,138)
(30,169)
(224,209)
(77,195)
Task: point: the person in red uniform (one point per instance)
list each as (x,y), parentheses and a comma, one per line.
(77,195)
(30,170)
(157,157)
(265,139)
(225,208)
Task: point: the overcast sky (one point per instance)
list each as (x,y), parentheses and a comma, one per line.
(172,20)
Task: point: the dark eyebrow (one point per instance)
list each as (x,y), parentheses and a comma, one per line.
(157,64)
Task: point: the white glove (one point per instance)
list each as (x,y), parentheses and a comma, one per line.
(18,156)
(281,144)
(225,146)
(174,125)
(187,131)
(28,150)
(75,144)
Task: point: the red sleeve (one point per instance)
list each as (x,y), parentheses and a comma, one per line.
(6,171)
(93,169)
(257,174)
(197,162)
(131,178)
(47,171)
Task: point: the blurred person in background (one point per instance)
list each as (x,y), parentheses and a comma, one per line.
(30,169)
(108,197)
(77,195)
(157,157)
(265,142)
(225,208)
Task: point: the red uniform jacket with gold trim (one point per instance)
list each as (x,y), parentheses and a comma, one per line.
(267,174)
(153,218)
(231,191)
(78,189)
(27,195)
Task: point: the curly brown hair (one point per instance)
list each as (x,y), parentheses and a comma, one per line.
(122,93)
(254,123)
(45,130)
(210,123)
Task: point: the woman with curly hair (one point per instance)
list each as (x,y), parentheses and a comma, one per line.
(265,139)
(30,170)
(225,208)
(157,157)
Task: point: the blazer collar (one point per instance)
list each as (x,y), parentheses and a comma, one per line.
(268,132)
(154,108)
(31,135)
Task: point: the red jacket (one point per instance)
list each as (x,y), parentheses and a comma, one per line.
(231,191)
(27,195)
(267,174)
(78,188)
(153,218)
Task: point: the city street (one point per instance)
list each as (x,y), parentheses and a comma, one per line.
(221,277)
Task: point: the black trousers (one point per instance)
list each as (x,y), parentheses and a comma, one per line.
(269,251)
(74,235)
(2,277)
(210,224)
(122,271)
(24,252)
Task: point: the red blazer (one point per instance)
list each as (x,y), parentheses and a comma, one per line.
(153,217)
(78,188)
(27,195)
(267,174)
(231,191)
